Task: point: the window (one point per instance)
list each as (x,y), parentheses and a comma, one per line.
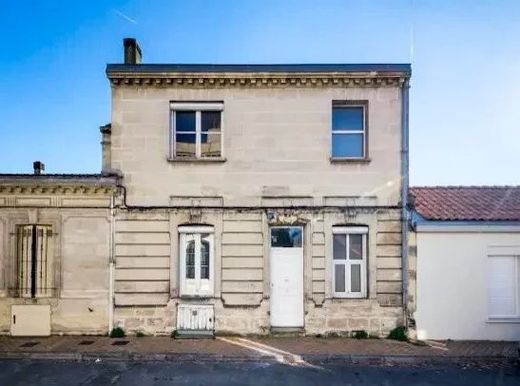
(349,262)
(196,260)
(286,237)
(196,130)
(349,130)
(503,287)
(34,274)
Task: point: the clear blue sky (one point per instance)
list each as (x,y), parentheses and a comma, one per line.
(465,96)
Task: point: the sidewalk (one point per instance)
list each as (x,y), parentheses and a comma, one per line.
(252,349)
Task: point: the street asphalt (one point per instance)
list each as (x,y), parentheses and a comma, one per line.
(57,373)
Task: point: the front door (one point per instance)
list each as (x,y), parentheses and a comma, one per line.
(286,260)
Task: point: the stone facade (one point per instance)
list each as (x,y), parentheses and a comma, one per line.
(78,213)
(270,174)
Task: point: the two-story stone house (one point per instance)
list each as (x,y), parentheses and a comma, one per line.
(257,198)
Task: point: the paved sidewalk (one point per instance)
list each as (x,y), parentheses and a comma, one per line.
(249,349)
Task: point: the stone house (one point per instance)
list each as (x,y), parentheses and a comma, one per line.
(255,198)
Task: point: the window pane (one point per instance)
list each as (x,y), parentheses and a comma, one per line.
(355,278)
(210,145)
(339,247)
(210,121)
(347,145)
(185,145)
(339,278)
(204,259)
(184,121)
(190,260)
(355,247)
(286,237)
(347,118)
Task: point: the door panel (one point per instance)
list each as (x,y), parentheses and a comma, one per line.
(286,281)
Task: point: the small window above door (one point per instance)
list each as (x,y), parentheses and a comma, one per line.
(286,237)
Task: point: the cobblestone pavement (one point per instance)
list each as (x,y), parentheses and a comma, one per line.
(29,372)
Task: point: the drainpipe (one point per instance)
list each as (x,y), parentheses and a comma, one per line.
(404,192)
(111,268)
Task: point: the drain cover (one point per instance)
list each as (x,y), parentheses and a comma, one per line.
(29,344)
(119,343)
(86,342)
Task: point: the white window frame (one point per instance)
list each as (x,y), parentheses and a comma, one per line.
(198,108)
(196,287)
(516,280)
(360,230)
(347,132)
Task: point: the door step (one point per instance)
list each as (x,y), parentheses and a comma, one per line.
(194,334)
(287,331)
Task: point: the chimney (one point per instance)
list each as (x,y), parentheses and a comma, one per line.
(106,151)
(38,167)
(132,51)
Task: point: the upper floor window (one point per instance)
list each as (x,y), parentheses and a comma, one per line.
(349,262)
(196,130)
(196,260)
(349,129)
(34,273)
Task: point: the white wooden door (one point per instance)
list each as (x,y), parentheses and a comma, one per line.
(286,266)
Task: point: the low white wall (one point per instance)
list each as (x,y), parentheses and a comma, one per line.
(452,280)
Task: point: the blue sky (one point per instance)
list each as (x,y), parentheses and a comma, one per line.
(465,95)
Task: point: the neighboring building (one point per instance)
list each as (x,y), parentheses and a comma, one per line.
(467,244)
(255,198)
(55,233)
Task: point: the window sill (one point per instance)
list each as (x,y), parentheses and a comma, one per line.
(196,297)
(504,320)
(350,160)
(196,160)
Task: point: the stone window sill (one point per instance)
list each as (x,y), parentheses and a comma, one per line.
(196,160)
(350,160)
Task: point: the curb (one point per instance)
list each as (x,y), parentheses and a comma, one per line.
(313,358)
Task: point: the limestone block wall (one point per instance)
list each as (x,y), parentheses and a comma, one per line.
(80,258)
(147,301)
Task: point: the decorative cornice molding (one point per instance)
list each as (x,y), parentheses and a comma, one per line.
(57,189)
(303,80)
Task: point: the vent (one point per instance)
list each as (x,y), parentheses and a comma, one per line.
(195,320)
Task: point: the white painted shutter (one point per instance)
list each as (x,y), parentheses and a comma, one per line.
(503,286)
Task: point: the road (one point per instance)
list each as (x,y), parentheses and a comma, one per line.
(30,372)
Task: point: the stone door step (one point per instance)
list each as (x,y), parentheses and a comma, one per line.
(287,331)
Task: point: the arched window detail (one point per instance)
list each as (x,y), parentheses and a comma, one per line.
(196,260)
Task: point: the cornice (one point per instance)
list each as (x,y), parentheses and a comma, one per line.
(212,80)
(56,189)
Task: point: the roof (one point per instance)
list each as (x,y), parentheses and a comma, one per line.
(81,179)
(467,203)
(259,68)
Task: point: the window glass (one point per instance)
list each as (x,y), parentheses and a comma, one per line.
(355,278)
(185,121)
(204,258)
(190,260)
(355,247)
(339,278)
(210,145)
(347,118)
(347,145)
(339,247)
(286,237)
(210,121)
(185,145)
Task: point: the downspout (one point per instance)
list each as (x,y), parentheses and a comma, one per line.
(404,193)
(111,268)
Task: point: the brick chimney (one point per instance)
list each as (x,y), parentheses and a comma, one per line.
(132,51)
(38,167)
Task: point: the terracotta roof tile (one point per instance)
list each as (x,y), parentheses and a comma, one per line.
(468,203)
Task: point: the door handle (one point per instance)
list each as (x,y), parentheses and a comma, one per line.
(14,319)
